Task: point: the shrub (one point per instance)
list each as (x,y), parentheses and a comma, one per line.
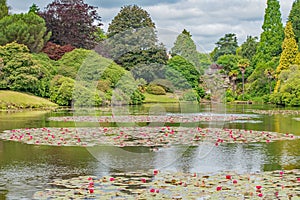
(190,95)
(156,89)
(61,90)
(64,90)
(104,85)
(21,71)
(127,91)
(55,51)
(164,83)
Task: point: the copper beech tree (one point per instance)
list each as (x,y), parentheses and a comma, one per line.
(72,22)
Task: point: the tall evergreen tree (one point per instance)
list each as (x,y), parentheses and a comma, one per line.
(268,50)
(186,48)
(226,45)
(3,9)
(248,48)
(34,8)
(272,36)
(289,51)
(28,29)
(294,17)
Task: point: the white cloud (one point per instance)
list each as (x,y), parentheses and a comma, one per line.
(207,20)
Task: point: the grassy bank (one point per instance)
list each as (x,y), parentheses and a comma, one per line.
(168,98)
(16,100)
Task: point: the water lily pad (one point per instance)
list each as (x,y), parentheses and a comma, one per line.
(178,185)
(140,136)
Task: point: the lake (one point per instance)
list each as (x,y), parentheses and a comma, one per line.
(25,169)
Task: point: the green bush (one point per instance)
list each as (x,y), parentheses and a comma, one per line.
(230,95)
(104,85)
(64,91)
(22,71)
(127,91)
(156,89)
(61,90)
(190,95)
(164,83)
(246,97)
(82,96)
(71,62)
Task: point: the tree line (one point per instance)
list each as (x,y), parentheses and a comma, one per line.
(45,51)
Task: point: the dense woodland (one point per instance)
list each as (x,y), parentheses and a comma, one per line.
(62,53)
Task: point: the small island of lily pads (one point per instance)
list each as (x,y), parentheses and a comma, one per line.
(282,184)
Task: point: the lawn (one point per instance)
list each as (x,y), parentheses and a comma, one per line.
(168,98)
(17,100)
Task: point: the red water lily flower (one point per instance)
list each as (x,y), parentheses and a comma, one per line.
(228,176)
(219,188)
(91,190)
(155,172)
(234,181)
(112,179)
(281,173)
(152,190)
(258,187)
(143,180)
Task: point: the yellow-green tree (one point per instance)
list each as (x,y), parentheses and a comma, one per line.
(297,60)
(289,53)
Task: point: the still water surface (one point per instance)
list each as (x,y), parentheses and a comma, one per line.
(25,169)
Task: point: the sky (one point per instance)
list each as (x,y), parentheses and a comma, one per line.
(207,20)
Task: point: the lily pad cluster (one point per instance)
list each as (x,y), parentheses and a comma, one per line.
(277,112)
(139,136)
(151,118)
(168,185)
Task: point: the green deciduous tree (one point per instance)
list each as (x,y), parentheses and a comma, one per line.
(3,9)
(186,70)
(294,17)
(229,62)
(226,45)
(28,29)
(257,82)
(289,91)
(130,17)
(132,41)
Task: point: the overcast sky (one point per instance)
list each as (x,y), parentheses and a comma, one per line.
(207,20)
